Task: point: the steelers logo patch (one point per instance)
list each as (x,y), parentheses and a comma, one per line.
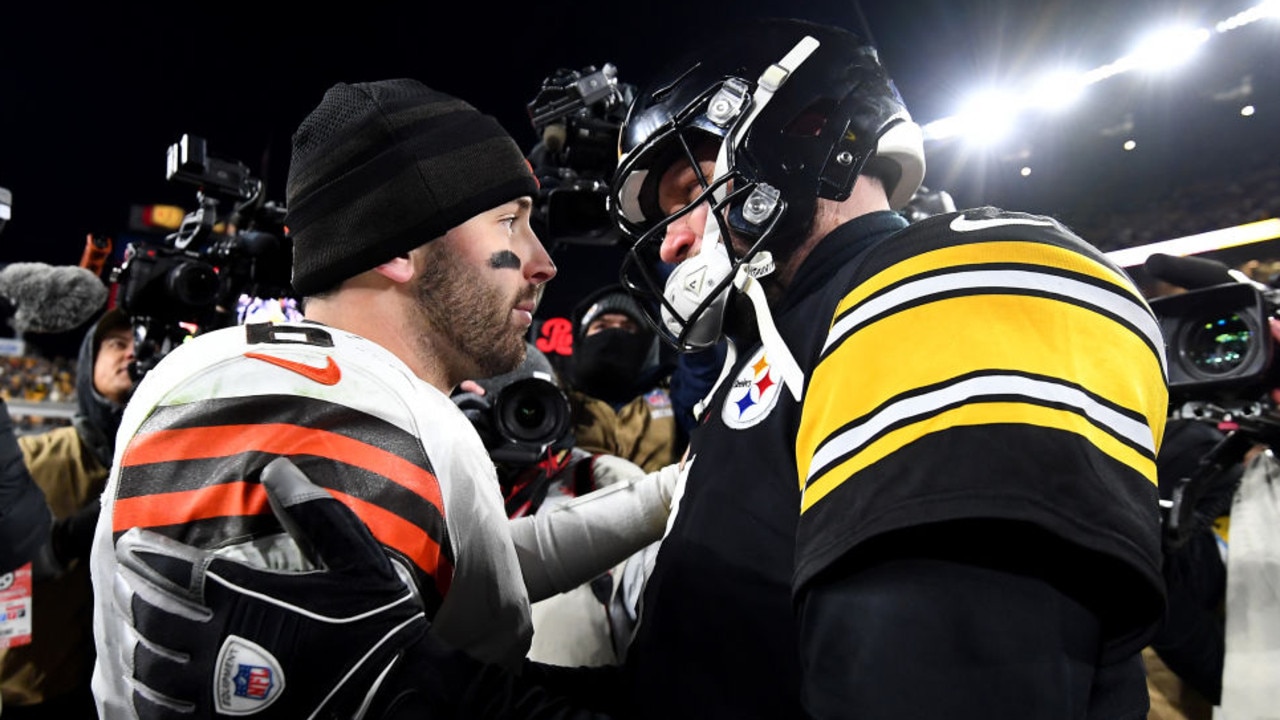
(754,393)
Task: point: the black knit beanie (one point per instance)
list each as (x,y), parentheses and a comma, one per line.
(611,299)
(381,168)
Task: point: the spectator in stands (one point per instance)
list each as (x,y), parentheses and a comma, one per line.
(49,678)
(618,386)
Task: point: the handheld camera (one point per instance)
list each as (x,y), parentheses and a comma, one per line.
(522,422)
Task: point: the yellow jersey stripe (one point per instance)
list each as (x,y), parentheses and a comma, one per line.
(1006,280)
(931,344)
(982,253)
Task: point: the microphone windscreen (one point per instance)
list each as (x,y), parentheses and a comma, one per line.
(1191,273)
(49,299)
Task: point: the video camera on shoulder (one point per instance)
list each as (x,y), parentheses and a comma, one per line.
(577,115)
(194,280)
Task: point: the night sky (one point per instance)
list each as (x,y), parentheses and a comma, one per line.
(91,97)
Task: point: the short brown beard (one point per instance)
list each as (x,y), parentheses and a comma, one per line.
(466,315)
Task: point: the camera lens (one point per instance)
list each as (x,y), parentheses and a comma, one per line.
(532,410)
(528,413)
(193,283)
(1218,346)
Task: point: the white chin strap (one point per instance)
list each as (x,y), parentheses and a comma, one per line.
(780,357)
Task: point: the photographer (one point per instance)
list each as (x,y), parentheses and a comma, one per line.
(49,678)
(523,418)
(24,517)
(1217,474)
(1185,677)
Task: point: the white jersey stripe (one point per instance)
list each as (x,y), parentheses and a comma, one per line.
(842,444)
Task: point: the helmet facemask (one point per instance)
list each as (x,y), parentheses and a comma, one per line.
(692,297)
(796,111)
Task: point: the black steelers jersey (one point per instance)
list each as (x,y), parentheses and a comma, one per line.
(982,364)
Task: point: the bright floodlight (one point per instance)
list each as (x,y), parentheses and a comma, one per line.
(1247,110)
(1168,48)
(1261,11)
(1129,144)
(988,117)
(1057,90)
(1025,171)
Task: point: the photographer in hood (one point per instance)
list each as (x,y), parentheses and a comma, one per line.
(619,385)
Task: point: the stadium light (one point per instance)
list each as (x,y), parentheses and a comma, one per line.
(1163,49)
(1167,48)
(1261,11)
(988,116)
(1057,90)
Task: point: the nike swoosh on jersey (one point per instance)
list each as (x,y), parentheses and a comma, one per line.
(327,375)
(964,224)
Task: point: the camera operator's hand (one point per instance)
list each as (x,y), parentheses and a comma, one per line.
(220,638)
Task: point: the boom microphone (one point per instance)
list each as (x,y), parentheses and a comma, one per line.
(47,299)
(1191,273)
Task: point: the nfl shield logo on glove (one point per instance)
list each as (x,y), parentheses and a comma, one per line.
(248,678)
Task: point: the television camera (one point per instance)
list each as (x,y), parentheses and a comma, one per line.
(192,282)
(1218,338)
(1222,370)
(577,115)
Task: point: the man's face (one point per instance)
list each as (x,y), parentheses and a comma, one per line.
(611,321)
(111,367)
(679,186)
(478,288)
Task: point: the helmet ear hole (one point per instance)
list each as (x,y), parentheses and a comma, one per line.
(811,121)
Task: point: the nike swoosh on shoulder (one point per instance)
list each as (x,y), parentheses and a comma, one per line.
(963,224)
(327,375)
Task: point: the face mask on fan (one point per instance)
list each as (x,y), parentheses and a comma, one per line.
(607,364)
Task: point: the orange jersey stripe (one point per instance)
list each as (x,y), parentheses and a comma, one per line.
(245,498)
(279,439)
(233,498)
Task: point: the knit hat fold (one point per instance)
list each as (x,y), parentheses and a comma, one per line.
(381,168)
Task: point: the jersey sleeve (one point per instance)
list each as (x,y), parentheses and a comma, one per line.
(996,367)
(190,468)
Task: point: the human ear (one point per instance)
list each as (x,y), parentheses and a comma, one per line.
(399,269)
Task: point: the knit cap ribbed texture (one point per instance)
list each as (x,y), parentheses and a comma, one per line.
(380,168)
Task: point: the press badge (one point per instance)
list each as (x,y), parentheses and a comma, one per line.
(15,607)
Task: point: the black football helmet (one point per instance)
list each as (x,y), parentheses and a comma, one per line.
(798,111)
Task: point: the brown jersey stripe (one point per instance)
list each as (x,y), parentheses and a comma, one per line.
(293,410)
(280,439)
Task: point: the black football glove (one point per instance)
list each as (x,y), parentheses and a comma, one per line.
(219,638)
